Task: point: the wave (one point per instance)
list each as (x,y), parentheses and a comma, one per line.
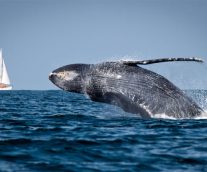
(165,116)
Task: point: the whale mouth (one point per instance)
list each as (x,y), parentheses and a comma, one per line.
(51,76)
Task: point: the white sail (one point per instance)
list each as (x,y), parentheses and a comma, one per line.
(4,78)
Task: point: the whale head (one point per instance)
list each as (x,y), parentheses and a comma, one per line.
(71,77)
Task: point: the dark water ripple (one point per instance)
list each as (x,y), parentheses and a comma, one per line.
(58,131)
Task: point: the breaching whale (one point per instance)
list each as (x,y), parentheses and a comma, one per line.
(129,86)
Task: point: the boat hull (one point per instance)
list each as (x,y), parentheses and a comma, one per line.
(6,88)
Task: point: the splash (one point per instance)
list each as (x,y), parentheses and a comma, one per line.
(122,58)
(203,115)
(165,116)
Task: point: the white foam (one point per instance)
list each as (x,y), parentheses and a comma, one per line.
(163,116)
(203,115)
(127,58)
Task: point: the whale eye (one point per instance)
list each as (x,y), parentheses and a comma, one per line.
(67,75)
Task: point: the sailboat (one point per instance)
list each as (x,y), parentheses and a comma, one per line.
(4,77)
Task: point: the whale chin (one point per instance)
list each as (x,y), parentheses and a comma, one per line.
(53,78)
(56,81)
(75,85)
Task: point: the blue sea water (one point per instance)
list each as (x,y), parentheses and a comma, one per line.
(59,131)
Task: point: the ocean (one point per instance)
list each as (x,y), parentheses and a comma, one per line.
(59,131)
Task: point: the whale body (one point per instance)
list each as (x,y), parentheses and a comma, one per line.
(131,87)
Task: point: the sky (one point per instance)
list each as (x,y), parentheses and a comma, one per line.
(38,36)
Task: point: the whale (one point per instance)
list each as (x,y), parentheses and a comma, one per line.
(129,86)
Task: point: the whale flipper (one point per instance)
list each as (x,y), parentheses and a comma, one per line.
(160,60)
(121,101)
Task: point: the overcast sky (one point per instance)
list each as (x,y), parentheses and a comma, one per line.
(38,36)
